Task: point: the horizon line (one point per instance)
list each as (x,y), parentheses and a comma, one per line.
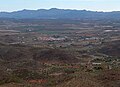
(59,9)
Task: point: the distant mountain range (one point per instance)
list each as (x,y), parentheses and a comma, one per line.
(55,13)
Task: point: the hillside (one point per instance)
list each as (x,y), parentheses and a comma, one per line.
(59,53)
(112,49)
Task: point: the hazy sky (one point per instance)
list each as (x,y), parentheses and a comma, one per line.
(95,5)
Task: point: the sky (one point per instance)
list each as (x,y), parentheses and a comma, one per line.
(94,5)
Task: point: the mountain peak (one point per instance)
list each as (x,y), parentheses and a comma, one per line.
(54,9)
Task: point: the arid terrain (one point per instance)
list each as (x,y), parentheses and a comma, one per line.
(59,53)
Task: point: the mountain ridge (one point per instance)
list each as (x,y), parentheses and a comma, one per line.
(55,13)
